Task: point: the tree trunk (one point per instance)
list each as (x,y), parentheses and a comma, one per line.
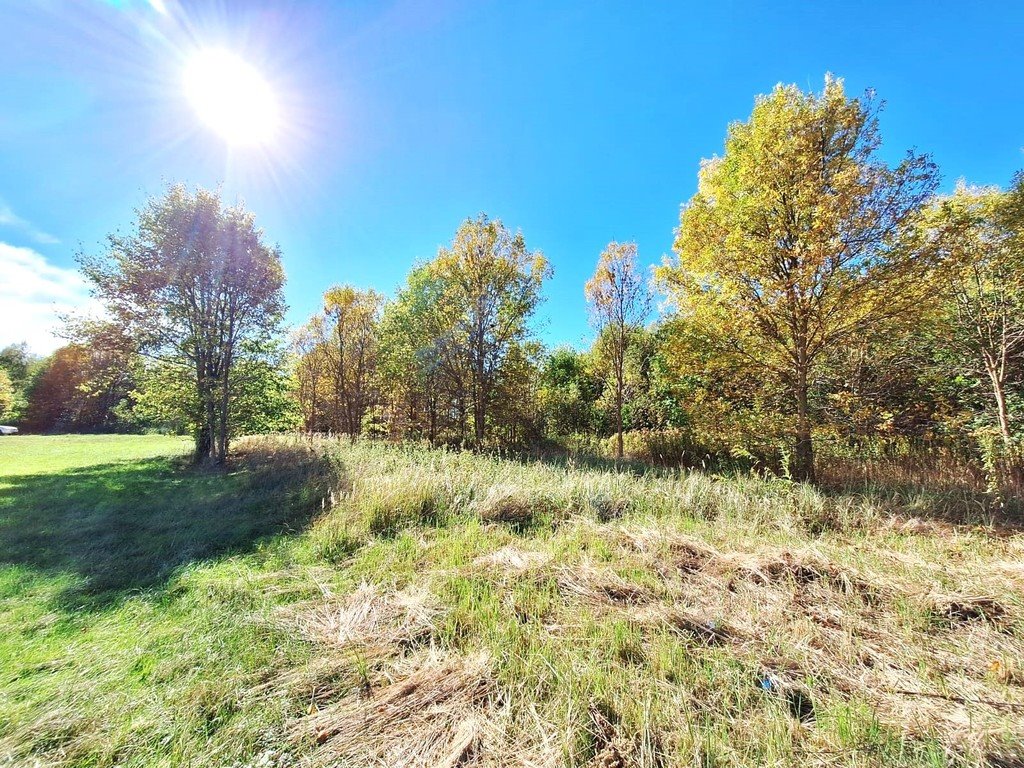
(479,400)
(1014,464)
(619,452)
(478,418)
(222,419)
(803,465)
(1002,412)
(204,443)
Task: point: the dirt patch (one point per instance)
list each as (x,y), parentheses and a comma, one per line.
(954,610)
(700,630)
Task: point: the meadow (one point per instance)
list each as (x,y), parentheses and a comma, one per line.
(319,602)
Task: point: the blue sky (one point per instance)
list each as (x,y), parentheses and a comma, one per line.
(577,123)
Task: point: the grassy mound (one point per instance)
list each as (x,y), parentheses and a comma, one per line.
(446,609)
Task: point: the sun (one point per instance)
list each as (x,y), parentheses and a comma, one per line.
(231,97)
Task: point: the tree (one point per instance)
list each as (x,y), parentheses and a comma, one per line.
(6,393)
(466,312)
(488,286)
(351,318)
(165,399)
(21,367)
(793,243)
(191,285)
(308,345)
(978,234)
(262,395)
(619,302)
(569,391)
(17,361)
(79,389)
(410,374)
(55,397)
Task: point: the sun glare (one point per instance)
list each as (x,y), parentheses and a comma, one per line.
(231,97)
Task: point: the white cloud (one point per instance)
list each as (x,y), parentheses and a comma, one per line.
(33,293)
(9,218)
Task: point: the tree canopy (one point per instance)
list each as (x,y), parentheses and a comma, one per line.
(793,243)
(190,286)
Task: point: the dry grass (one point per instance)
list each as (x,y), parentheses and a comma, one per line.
(431,715)
(688,616)
(459,610)
(370,622)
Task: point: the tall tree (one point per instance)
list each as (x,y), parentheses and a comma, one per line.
(483,290)
(190,285)
(792,243)
(309,348)
(978,233)
(21,367)
(410,372)
(619,302)
(57,397)
(351,322)
(79,389)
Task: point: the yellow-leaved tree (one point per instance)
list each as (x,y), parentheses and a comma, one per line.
(351,317)
(977,235)
(619,303)
(794,241)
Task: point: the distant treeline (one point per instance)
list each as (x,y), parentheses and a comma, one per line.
(821,305)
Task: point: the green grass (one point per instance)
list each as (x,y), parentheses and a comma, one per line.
(129,584)
(32,455)
(333,604)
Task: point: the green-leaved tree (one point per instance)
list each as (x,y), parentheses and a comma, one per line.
(190,286)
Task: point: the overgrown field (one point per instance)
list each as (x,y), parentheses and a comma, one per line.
(321,603)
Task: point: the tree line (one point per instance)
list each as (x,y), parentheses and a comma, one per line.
(819,302)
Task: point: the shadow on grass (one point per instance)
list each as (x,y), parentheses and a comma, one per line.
(127,526)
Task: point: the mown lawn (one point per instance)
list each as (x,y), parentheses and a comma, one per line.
(321,603)
(127,586)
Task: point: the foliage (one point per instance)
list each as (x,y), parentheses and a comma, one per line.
(190,286)
(619,302)
(792,245)
(451,353)
(262,396)
(978,237)
(483,290)
(21,366)
(79,389)
(569,390)
(164,399)
(351,318)
(6,393)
